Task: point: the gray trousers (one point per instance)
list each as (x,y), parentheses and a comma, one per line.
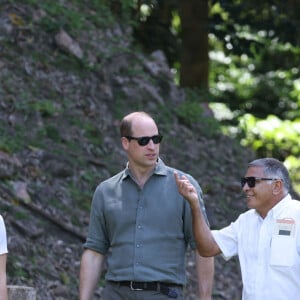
(114,291)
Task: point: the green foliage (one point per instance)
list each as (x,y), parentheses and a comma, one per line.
(80,197)
(9,144)
(49,131)
(293,165)
(272,137)
(191,113)
(92,133)
(15,268)
(64,278)
(73,20)
(253,63)
(19,215)
(45,107)
(57,16)
(243,84)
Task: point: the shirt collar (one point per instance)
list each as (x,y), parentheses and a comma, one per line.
(160,169)
(277,209)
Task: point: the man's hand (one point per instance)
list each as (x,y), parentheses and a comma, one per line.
(186,189)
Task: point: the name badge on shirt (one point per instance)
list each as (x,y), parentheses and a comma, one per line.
(285,227)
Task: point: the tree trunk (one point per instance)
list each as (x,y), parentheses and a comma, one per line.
(21,292)
(194,48)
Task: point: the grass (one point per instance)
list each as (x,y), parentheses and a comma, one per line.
(11,142)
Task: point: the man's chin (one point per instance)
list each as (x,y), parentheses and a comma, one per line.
(250,204)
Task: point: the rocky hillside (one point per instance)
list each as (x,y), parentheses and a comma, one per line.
(66,79)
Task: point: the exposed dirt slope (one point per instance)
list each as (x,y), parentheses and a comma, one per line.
(61,100)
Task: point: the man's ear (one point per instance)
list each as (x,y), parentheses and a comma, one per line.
(277,186)
(125,143)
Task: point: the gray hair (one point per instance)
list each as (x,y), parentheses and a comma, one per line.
(275,168)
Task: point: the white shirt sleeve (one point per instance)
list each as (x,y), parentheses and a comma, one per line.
(3,240)
(226,239)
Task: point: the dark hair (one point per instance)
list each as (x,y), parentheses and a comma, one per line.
(275,168)
(126,123)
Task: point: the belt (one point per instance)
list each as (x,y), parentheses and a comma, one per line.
(163,288)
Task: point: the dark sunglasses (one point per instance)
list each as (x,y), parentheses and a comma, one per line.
(251,181)
(144,140)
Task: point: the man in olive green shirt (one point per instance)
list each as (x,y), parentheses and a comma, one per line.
(139,215)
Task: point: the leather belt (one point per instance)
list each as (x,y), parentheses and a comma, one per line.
(163,288)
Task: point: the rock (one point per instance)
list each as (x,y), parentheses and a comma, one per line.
(66,43)
(20,190)
(9,164)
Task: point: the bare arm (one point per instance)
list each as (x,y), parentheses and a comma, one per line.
(206,244)
(3,287)
(205,272)
(90,270)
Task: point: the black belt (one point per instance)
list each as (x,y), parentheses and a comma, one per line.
(163,288)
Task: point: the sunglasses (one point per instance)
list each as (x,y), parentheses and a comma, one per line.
(144,140)
(251,181)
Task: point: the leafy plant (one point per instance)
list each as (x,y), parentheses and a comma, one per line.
(45,107)
(9,144)
(191,113)
(272,137)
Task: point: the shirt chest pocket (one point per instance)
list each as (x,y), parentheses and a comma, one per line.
(283,251)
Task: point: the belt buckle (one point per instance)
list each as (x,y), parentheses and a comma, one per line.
(132,288)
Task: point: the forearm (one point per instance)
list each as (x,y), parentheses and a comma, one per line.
(205,242)
(3,290)
(90,270)
(3,287)
(205,272)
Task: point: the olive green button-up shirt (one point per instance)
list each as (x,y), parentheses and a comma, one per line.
(147,230)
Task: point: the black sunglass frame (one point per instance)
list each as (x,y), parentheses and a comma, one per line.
(144,140)
(251,180)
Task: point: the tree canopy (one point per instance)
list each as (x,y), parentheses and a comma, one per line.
(253,56)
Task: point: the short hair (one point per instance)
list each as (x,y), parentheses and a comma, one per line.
(126,123)
(275,168)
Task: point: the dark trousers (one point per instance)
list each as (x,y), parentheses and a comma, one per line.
(114,291)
